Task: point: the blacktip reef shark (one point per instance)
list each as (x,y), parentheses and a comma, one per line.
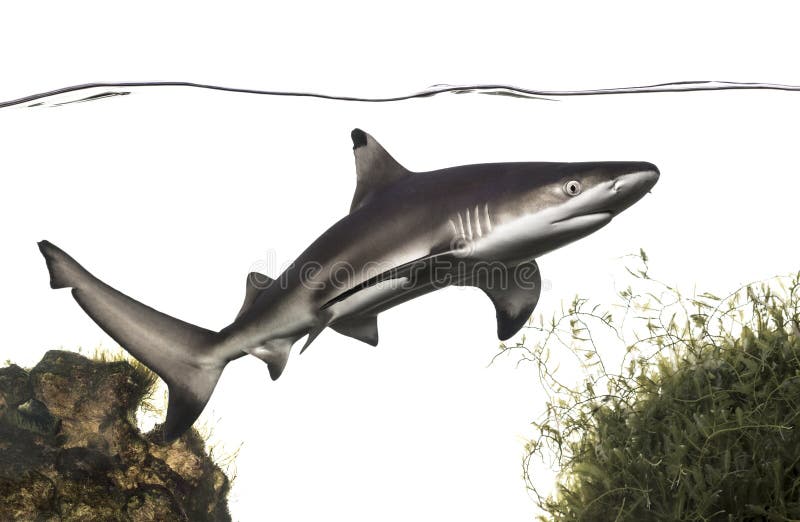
(407,234)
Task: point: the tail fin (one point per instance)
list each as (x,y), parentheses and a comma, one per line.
(180,353)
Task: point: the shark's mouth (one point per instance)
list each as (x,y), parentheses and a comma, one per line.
(588,216)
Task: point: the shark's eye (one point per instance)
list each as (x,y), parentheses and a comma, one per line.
(572,188)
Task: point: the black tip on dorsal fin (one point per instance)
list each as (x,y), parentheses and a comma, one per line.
(375,168)
(359,138)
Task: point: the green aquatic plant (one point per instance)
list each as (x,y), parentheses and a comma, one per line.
(697,419)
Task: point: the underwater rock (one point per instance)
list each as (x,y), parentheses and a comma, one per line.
(70,449)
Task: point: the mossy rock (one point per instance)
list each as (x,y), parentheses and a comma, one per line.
(70,450)
(15,387)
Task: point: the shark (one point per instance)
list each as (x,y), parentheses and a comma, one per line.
(406,234)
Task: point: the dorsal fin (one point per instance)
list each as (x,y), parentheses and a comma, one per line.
(255,283)
(514,293)
(375,168)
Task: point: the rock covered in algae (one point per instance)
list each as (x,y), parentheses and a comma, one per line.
(70,449)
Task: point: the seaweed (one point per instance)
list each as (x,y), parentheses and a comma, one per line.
(696,420)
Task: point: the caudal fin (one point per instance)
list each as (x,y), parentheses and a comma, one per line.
(180,353)
(61,266)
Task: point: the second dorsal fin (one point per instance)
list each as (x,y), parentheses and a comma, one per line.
(375,168)
(255,283)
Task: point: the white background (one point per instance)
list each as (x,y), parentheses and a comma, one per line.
(172,195)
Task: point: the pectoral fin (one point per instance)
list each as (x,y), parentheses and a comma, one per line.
(514,295)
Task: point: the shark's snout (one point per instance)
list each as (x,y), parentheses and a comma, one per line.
(649,175)
(630,187)
(643,177)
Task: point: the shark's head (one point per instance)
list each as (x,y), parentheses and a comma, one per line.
(589,195)
(560,203)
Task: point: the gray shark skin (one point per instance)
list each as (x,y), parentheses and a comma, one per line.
(407,234)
